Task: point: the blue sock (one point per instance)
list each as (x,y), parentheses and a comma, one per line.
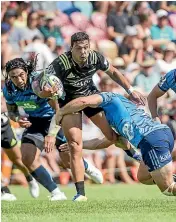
(44,178)
(85,164)
(134,154)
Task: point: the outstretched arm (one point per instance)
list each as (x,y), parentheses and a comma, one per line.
(77,105)
(122,81)
(152,100)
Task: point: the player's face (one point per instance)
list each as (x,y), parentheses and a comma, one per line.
(80,51)
(18,77)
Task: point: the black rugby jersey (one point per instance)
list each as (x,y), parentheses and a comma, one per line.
(77,81)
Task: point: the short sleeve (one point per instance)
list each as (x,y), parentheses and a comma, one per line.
(167,81)
(7,96)
(102,63)
(56,68)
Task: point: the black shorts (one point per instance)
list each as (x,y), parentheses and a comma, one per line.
(88,111)
(8,139)
(36,133)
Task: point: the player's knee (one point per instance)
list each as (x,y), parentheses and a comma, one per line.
(171,190)
(75,147)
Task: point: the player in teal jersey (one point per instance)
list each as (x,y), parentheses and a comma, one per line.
(37,123)
(155,140)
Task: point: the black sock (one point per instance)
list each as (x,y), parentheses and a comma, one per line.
(29,178)
(5,189)
(80,188)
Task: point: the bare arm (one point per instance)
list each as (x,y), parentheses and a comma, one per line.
(77,105)
(118,77)
(122,81)
(53,128)
(102,143)
(152,100)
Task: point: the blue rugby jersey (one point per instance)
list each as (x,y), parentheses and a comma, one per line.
(168,81)
(127,119)
(33,105)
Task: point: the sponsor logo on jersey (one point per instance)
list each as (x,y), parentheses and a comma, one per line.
(28,105)
(165,156)
(82,83)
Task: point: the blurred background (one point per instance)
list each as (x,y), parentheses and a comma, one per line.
(138,38)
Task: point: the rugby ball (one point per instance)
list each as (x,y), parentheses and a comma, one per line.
(50,81)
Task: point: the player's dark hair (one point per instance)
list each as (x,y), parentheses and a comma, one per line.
(79,36)
(28,66)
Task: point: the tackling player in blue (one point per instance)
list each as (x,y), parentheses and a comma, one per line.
(155,140)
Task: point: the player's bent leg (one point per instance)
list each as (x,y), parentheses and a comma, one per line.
(163,177)
(101,122)
(31,158)
(15,156)
(94,173)
(143,175)
(72,127)
(156,149)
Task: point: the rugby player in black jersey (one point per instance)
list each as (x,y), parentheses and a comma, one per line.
(75,69)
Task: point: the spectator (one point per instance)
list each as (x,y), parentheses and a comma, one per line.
(15,34)
(147,78)
(6,48)
(168,62)
(38,47)
(143,29)
(32,28)
(50,30)
(43,7)
(117,20)
(130,48)
(162,30)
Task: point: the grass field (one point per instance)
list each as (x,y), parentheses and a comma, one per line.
(113,203)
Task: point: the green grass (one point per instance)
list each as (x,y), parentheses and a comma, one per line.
(113,203)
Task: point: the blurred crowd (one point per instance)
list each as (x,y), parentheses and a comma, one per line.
(138,38)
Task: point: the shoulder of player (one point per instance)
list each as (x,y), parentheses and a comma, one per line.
(63,61)
(94,57)
(170,77)
(9,90)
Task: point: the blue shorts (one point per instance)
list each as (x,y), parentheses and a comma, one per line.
(156,148)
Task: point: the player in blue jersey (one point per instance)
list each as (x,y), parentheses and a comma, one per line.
(167,82)
(155,140)
(38,122)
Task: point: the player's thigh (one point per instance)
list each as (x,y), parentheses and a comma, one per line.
(72,127)
(30,153)
(101,122)
(163,177)
(143,173)
(14,153)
